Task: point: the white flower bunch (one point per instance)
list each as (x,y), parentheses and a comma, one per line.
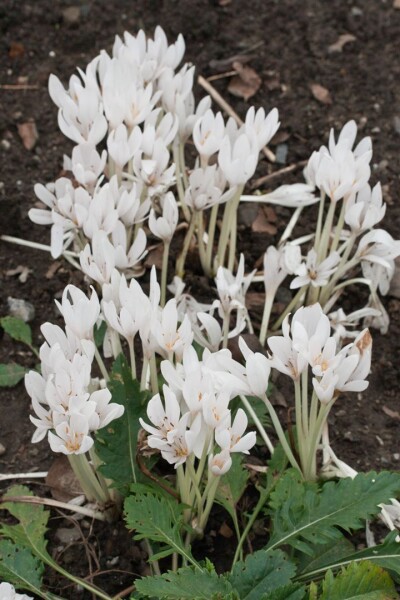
(7,592)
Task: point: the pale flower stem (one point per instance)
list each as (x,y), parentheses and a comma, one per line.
(224,233)
(319,221)
(232,241)
(351,282)
(291,225)
(35,245)
(281,436)
(154,564)
(313,411)
(143,378)
(339,227)
(200,241)
(179,184)
(132,357)
(153,374)
(182,163)
(87,479)
(299,424)
(164,274)
(258,424)
(211,235)
(310,468)
(327,291)
(195,487)
(326,233)
(269,300)
(180,263)
(292,304)
(101,364)
(203,459)
(210,501)
(304,402)
(225,329)
(96,464)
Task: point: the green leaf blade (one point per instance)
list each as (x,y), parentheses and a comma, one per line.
(303,515)
(363,581)
(185,584)
(261,573)
(17,329)
(116,445)
(11,374)
(20,567)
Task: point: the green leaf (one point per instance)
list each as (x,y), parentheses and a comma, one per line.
(116,445)
(385,555)
(323,555)
(231,488)
(99,334)
(29,532)
(304,515)
(287,592)
(17,329)
(19,567)
(261,573)
(185,584)
(364,581)
(158,519)
(11,374)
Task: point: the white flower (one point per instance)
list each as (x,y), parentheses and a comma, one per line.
(106,411)
(258,369)
(232,289)
(166,331)
(208,133)
(315,274)
(164,420)
(219,464)
(86,164)
(98,259)
(294,196)
(238,159)
(7,592)
(230,437)
(164,227)
(206,188)
(121,146)
(263,127)
(277,264)
(365,210)
(80,313)
(134,309)
(182,441)
(71,437)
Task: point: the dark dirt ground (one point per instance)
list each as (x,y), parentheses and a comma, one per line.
(291,41)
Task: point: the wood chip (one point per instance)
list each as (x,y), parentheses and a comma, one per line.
(321,93)
(246,83)
(342,40)
(225,531)
(28,134)
(52,270)
(393,414)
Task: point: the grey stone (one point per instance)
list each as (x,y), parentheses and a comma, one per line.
(21,309)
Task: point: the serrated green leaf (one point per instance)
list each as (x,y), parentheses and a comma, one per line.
(287,592)
(304,515)
(159,520)
(29,532)
(116,445)
(20,567)
(261,573)
(385,555)
(17,329)
(185,584)
(231,488)
(324,554)
(363,581)
(11,374)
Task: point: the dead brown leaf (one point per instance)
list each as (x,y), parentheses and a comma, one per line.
(16,50)
(393,414)
(321,93)
(261,224)
(154,256)
(225,530)
(28,134)
(246,83)
(62,480)
(396,4)
(342,40)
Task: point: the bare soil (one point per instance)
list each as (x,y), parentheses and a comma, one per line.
(289,44)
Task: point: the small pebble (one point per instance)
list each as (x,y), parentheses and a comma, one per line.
(52,54)
(356,12)
(21,309)
(281,153)
(2,449)
(396,456)
(5,144)
(66,535)
(71,15)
